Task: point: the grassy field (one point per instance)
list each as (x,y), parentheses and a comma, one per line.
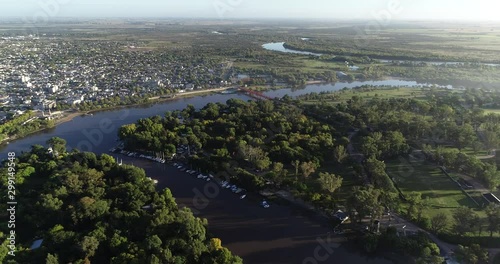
(403,92)
(477,195)
(469,151)
(369,94)
(291,63)
(444,195)
(495,111)
(482,40)
(428,179)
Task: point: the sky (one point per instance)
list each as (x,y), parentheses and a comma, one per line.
(470,10)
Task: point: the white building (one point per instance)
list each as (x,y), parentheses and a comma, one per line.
(54,89)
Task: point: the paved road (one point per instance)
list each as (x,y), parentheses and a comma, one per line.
(399,222)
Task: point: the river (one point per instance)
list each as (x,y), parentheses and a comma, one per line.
(279,234)
(81,132)
(279,46)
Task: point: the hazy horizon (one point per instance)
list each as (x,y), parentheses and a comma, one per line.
(463,10)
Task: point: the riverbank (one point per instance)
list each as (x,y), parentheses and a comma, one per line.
(275,92)
(316,82)
(159,100)
(68,116)
(59,121)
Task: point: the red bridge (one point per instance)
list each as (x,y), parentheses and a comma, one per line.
(254,94)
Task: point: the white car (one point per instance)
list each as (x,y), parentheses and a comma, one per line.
(264,204)
(238,190)
(243,196)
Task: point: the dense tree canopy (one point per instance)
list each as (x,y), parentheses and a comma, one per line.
(87,209)
(255,134)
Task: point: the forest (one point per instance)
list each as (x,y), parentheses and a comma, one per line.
(342,154)
(445,131)
(23,125)
(88,209)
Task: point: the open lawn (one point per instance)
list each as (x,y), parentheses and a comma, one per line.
(495,111)
(475,193)
(369,93)
(428,179)
(290,63)
(382,93)
(469,151)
